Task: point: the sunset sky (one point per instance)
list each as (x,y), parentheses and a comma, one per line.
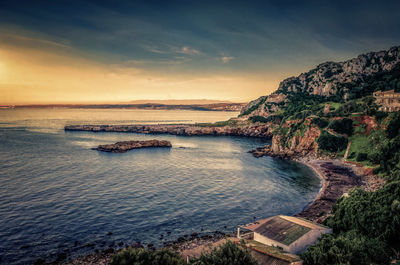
(118,51)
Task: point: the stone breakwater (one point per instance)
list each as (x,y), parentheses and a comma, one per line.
(253,130)
(122,147)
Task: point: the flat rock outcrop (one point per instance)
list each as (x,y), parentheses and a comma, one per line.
(122,147)
(252,130)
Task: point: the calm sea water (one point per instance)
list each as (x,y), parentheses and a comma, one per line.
(57,195)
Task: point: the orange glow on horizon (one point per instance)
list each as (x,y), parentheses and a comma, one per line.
(33,76)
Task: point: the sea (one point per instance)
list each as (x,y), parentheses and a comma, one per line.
(58,197)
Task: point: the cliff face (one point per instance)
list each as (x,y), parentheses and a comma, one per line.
(298,145)
(327,79)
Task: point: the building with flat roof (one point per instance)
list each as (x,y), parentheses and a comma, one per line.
(291,234)
(388,100)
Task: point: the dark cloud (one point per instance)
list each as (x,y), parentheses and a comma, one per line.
(209,35)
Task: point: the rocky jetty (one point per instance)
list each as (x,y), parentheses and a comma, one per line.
(122,147)
(250,130)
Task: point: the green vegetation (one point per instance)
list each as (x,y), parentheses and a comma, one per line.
(273,118)
(272,251)
(384,80)
(393,128)
(366,225)
(320,122)
(342,126)
(331,143)
(227,254)
(302,105)
(380,115)
(218,124)
(141,256)
(359,144)
(361,157)
(346,248)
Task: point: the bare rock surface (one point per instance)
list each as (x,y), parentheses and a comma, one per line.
(122,147)
(251,130)
(326,79)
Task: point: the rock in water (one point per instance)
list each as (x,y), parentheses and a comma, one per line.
(122,147)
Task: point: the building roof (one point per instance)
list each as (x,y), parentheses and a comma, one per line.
(385,92)
(283,229)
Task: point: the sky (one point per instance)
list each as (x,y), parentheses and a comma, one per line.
(118,51)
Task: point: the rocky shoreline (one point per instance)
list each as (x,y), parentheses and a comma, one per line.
(251,130)
(122,147)
(337,177)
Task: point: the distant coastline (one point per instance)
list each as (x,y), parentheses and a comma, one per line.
(143,106)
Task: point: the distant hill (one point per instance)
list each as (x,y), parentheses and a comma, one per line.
(179,101)
(334,81)
(148,106)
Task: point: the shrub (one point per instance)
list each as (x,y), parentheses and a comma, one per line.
(346,248)
(373,214)
(380,115)
(272,118)
(342,126)
(331,142)
(320,122)
(258,119)
(361,157)
(227,254)
(393,128)
(141,256)
(352,155)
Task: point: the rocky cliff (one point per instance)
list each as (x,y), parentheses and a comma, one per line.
(292,143)
(328,79)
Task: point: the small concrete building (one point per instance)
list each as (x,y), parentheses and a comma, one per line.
(291,234)
(388,100)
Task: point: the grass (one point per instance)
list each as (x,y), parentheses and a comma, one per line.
(360,144)
(360,129)
(272,251)
(335,105)
(218,124)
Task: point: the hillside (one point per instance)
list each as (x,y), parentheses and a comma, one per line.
(334,81)
(330,112)
(328,109)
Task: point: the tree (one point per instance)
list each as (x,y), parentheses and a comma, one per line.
(393,128)
(342,126)
(227,254)
(141,256)
(347,248)
(331,143)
